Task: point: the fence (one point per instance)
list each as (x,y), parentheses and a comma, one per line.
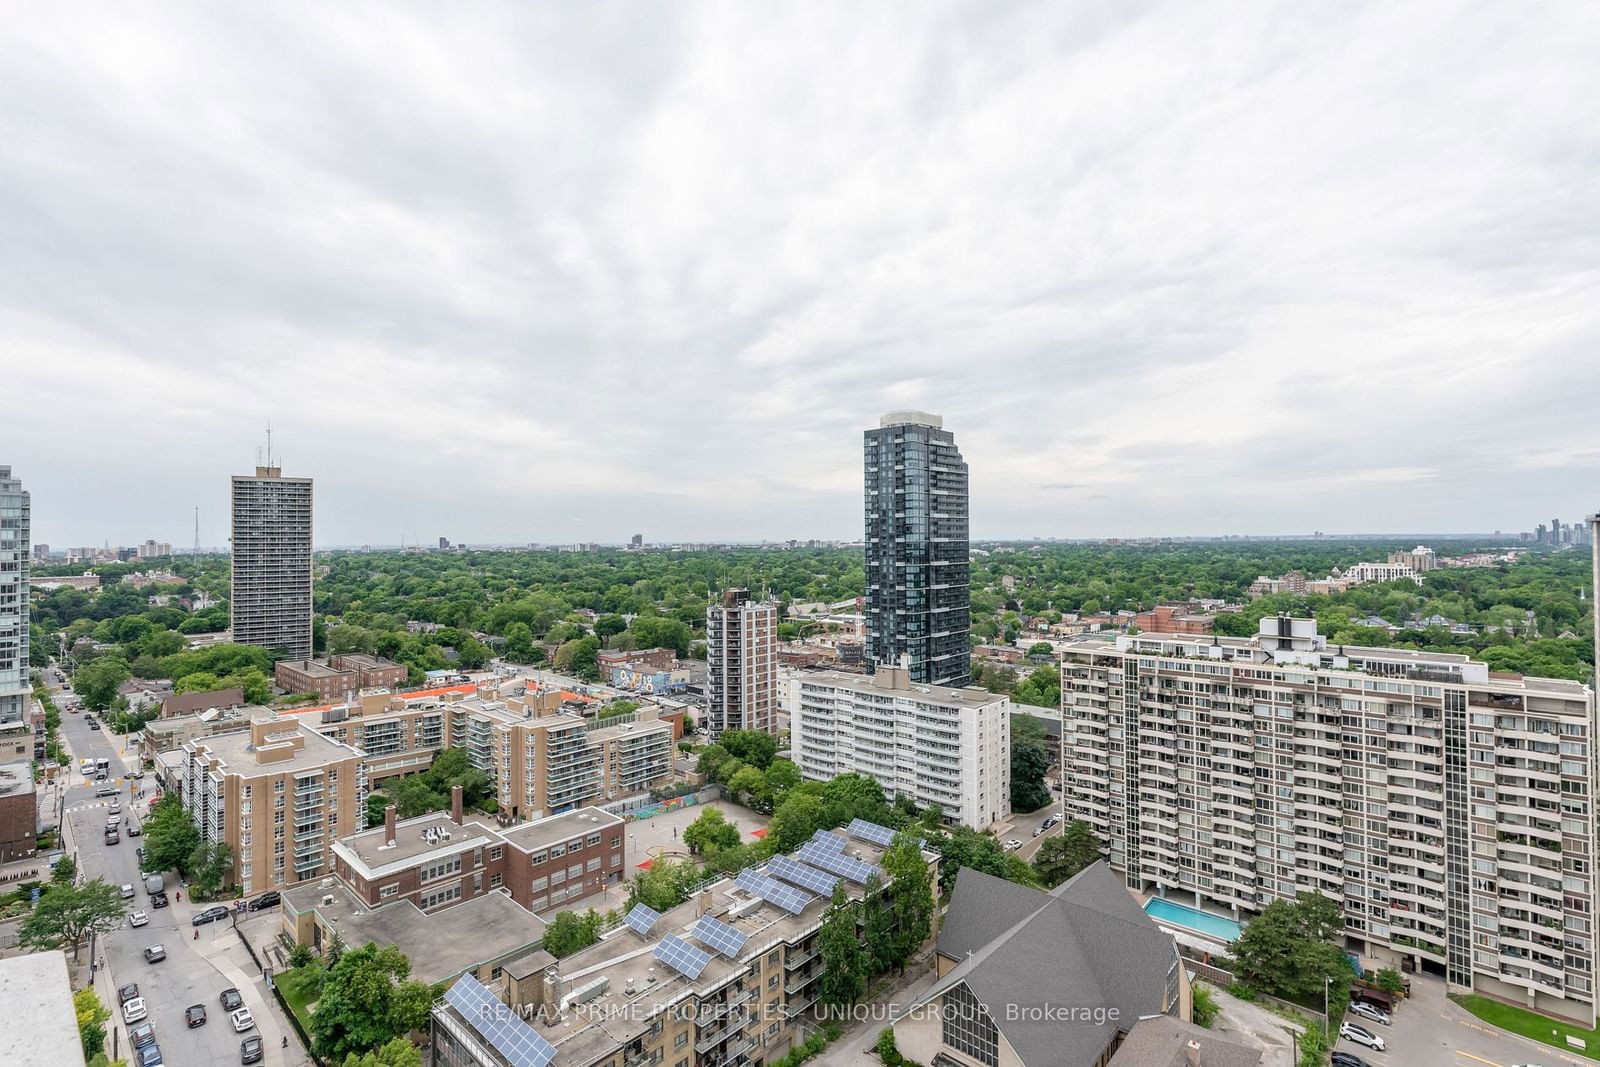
(646,807)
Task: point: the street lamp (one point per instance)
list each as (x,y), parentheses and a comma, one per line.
(1327,1021)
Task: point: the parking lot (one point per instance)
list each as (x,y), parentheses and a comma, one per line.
(1430,1031)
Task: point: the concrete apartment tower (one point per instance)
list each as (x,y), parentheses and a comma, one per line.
(918,597)
(742,664)
(15,692)
(271,604)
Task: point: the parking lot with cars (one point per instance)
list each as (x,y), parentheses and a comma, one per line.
(1428,1029)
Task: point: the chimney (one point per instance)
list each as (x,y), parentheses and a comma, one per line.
(455,804)
(706,904)
(1191,1053)
(388,824)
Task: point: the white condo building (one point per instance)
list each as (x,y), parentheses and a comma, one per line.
(950,747)
(1447,808)
(15,519)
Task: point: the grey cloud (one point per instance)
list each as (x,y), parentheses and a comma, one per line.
(627,268)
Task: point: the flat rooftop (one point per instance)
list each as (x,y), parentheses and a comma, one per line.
(440,944)
(413,838)
(541,833)
(238,752)
(605,733)
(972,696)
(313,668)
(39,1026)
(16,777)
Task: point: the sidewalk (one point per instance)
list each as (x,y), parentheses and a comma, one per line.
(857,1046)
(227,954)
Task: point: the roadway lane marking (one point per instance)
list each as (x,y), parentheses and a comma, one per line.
(1480,1059)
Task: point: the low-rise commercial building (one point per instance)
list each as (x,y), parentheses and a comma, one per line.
(313,676)
(278,794)
(936,745)
(1173,619)
(372,672)
(1449,809)
(175,704)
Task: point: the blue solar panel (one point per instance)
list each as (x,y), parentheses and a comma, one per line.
(827,840)
(805,877)
(836,862)
(719,935)
(642,919)
(681,956)
(512,1037)
(786,897)
(871,831)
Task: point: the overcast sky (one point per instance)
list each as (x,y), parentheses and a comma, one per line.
(560,272)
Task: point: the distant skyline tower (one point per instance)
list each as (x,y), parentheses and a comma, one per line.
(271,544)
(741,664)
(15,530)
(918,602)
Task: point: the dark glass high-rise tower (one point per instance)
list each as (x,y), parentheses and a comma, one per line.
(918,601)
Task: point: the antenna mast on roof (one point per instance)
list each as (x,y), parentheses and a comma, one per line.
(197,530)
(269,442)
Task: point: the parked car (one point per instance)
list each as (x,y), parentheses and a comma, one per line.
(134,830)
(1348,1059)
(158,900)
(250,1050)
(112,837)
(142,1035)
(106,791)
(127,992)
(231,1000)
(138,854)
(1013,845)
(154,954)
(269,899)
(1361,1036)
(242,1020)
(194,1015)
(116,807)
(1368,1011)
(150,1056)
(134,1010)
(211,915)
(126,891)
(137,918)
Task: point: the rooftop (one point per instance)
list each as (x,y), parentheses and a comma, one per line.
(890,681)
(39,1026)
(295,745)
(1162,1042)
(541,833)
(440,944)
(314,668)
(16,777)
(433,832)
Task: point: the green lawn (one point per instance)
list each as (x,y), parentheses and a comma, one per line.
(1530,1024)
(299,989)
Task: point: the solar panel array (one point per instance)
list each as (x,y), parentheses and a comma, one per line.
(642,919)
(805,877)
(827,840)
(719,935)
(786,897)
(511,1036)
(871,831)
(836,862)
(681,956)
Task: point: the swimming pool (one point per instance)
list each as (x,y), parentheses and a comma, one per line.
(1201,922)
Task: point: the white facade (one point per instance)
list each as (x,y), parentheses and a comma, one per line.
(15,518)
(950,747)
(1448,810)
(1380,572)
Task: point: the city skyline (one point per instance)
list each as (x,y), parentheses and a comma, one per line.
(1169,271)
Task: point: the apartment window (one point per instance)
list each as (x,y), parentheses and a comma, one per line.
(389,891)
(772,983)
(495,881)
(575,844)
(538,858)
(616,842)
(496,852)
(592,840)
(681,1040)
(575,871)
(441,869)
(441,897)
(594,864)
(557,851)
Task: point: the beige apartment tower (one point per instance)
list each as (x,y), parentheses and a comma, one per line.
(742,664)
(271,545)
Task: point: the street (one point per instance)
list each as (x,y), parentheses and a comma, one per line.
(196,971)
